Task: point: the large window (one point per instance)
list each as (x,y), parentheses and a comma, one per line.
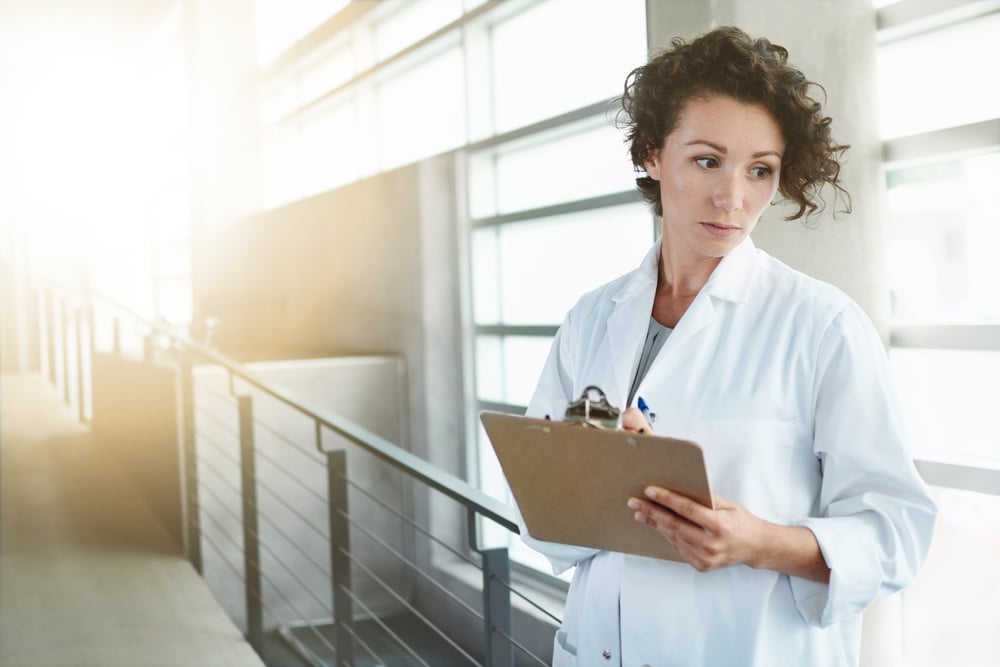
(941,126)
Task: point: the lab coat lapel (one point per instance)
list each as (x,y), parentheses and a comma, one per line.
(629,321)
(730,282)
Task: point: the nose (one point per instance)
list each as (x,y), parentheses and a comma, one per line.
(728,194)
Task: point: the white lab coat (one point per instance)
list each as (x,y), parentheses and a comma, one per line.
(784,382)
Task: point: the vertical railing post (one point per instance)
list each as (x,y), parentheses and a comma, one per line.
(496,607)
(78,326)
(64,335)
(251,543)
(340,564)
(189,456)
(50,335)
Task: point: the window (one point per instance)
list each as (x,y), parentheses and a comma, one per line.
(917,74)
(941,126)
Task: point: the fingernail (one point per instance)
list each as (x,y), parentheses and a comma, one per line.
(633,504)
(651,493)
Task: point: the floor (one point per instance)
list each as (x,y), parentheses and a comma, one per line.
(88,575)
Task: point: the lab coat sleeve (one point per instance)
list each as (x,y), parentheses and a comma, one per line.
(550,399)
(875,516)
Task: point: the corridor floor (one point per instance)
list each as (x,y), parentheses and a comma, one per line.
(88,575)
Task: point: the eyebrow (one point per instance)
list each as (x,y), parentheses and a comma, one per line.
(722,149)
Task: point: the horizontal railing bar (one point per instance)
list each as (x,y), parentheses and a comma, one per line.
(286,630)
(385,628)
(357,637)
(407,520)
(526,598)
(276,558)
(227,399)
(221,478)
(222,555)
(290,475)
(388,589)
(294,543)
(222,531)
(295,610)
(311,455)
(306,520)
(451,485)
(273,523)
(520,646)
(413,566)
(201,412)
(323,605)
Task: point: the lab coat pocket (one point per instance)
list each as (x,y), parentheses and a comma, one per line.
(563,654)
(750,462)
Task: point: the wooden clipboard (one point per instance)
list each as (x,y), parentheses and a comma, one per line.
(571,482)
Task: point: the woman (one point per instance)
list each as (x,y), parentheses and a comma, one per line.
(781,378)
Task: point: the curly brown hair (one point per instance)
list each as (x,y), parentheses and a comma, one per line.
(727,61)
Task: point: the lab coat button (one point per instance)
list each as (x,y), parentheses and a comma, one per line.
(606,654)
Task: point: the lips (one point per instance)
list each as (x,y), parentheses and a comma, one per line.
(720,230)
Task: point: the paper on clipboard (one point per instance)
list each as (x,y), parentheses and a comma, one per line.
(571,482)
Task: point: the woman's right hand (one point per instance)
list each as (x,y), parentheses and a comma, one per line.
(633,420)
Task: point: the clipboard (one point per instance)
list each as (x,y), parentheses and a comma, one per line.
(571,482)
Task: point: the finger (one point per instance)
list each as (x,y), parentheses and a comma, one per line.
(632,420)
(682,506)
(660,517)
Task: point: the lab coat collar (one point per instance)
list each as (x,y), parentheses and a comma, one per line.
(734,275)
(730,281)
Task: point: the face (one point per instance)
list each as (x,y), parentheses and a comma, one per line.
(718,170)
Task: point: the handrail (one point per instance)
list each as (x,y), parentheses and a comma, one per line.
(441,480)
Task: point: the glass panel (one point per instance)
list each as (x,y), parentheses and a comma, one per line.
(523,360)
(489,369)
(949,402)
(411,22)
(329,150)
(280,167)
(569,255)
(532,79)
(933,80)
(944,230)
(587,162)
(334,67)
(485,276)
(281,23)
(422,111)
(949,614)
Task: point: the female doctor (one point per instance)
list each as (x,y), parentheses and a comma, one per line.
(781,378)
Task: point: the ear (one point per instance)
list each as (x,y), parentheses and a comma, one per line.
(652,164)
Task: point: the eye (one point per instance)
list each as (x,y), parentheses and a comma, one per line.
(761,172)
(706,162)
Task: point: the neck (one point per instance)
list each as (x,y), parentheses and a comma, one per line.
(682,275)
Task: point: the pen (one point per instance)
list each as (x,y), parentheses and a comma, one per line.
(644,409)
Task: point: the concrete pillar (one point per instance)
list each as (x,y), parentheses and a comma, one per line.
(223,136)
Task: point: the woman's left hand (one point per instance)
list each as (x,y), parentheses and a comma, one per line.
(707,539)
(730,534)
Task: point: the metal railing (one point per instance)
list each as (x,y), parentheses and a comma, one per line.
(250,488)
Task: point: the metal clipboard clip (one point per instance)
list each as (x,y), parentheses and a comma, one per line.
(593,409)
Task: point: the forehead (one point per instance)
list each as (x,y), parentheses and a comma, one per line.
(728,122)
